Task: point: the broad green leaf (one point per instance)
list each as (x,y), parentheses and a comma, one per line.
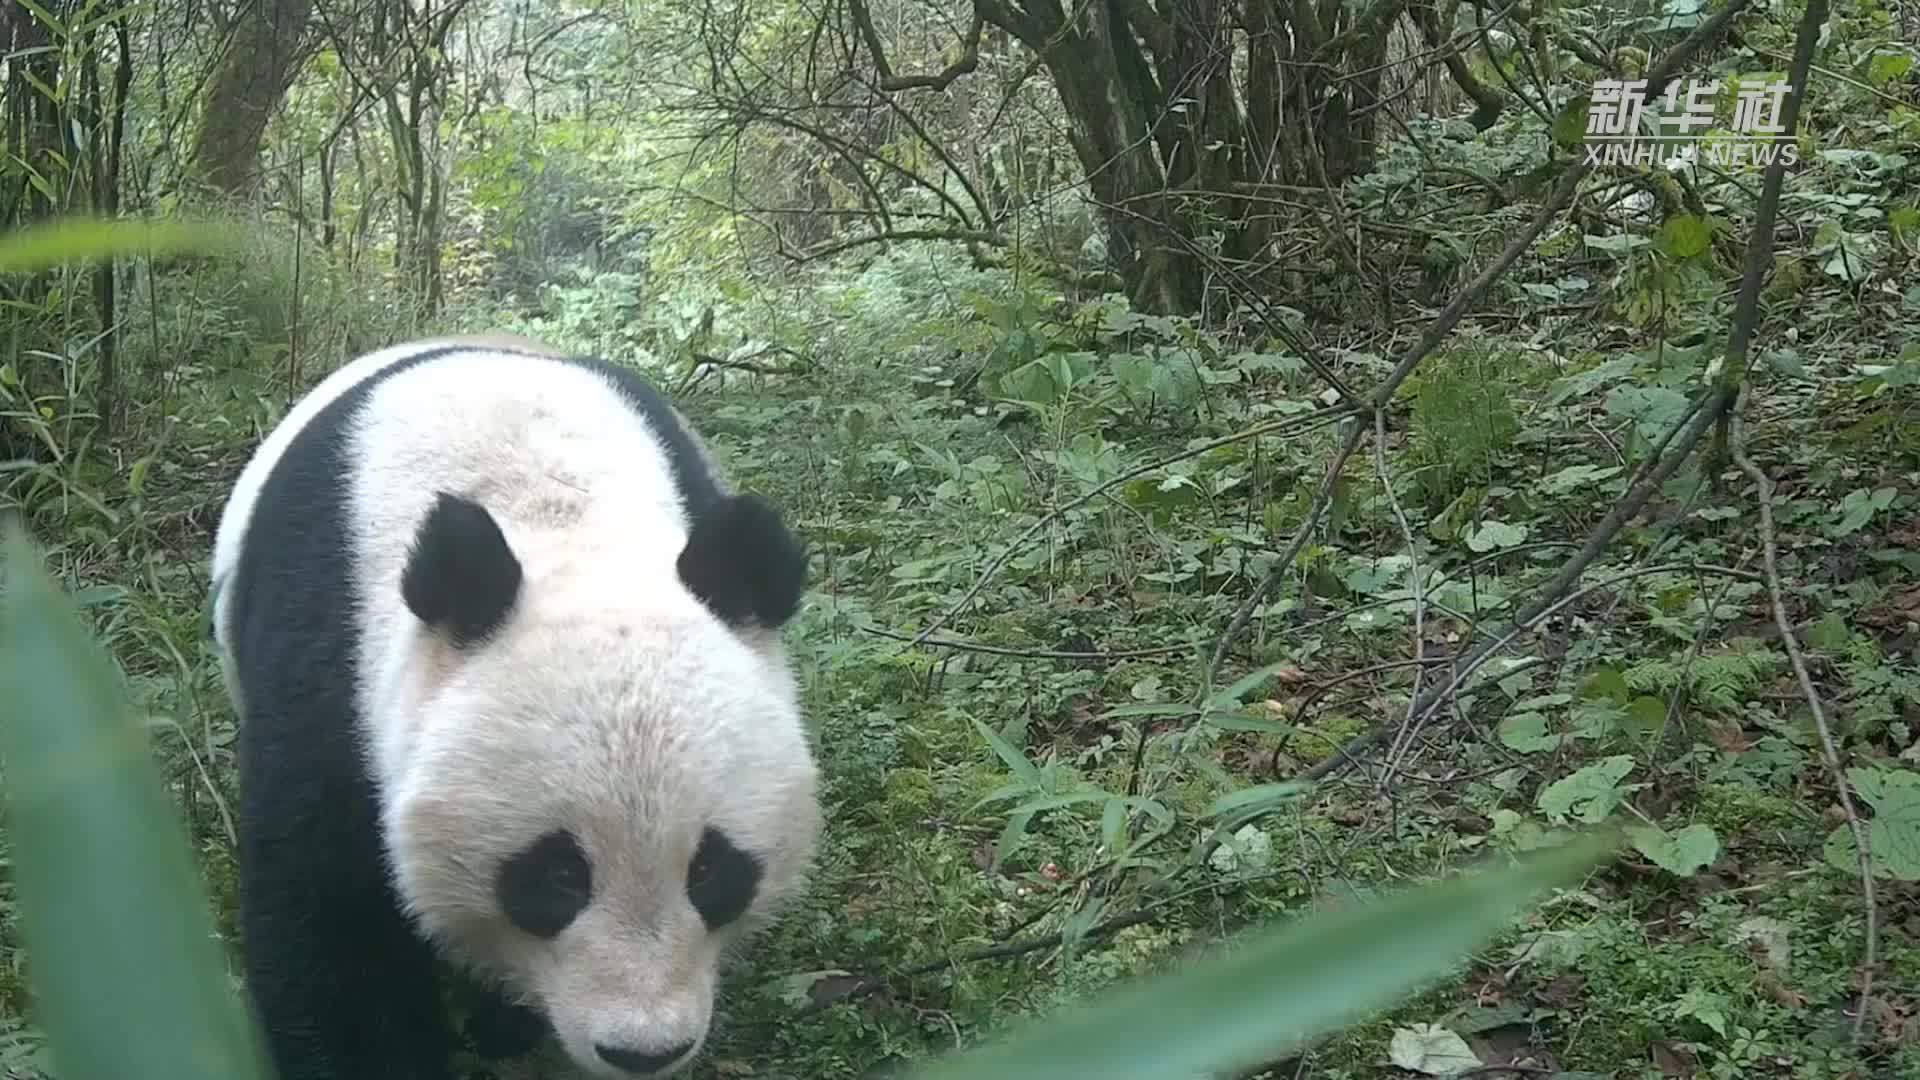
(1684,853)
(1685,236)
(1859,507)
(1527,733)
(1570,124)
(1830,633)
(127,979)
(1706,1006)
(1249,682)
(1886,67)
(1497,534)
(1146,708)
(1279,988)
(1653,409)
(1244,720)
(85,239)
(1249,849)
(1010,838)
(1618,244)
(1893,836)
(1589,794)
(1056,802)
(1113,824)
(1607,683)
(1579,478)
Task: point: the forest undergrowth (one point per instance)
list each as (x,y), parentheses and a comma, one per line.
(918,416)
(1033,517)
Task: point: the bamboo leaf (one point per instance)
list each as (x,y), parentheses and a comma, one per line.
(78,239)
(127,979)
(1278,989)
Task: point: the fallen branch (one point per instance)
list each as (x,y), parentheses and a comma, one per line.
(1769,548)
(865,986)
(1027,654)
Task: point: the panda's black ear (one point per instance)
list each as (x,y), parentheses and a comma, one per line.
(461,577)
(743,563)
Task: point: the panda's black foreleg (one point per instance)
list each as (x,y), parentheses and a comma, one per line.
(341,984)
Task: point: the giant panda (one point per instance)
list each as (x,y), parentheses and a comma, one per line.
(513,705)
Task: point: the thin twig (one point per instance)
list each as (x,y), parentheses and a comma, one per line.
(872,983)
(1769,548)
(1419,591)
(1026,654)
(1322,499)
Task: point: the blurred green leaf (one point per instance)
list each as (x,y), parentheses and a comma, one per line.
(77,239)
(127,978)
(1277,989)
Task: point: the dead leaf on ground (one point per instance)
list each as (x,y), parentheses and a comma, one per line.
(1786,996)
(1561,992)
(1674,1059)
(1893,612)
(1730,738)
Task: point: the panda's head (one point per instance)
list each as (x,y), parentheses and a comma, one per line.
(602,780)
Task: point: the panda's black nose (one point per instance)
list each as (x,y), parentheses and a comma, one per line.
(641,1062)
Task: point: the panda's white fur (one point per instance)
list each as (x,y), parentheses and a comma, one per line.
(607,700)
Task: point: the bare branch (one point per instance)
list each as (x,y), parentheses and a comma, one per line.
(969,54)
(968,236)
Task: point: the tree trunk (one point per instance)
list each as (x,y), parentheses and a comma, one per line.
(266,43)
(1157,120)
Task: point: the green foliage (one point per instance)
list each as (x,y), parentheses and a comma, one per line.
(1463,419)
(1274,992)
(918,405)
(1893,836)
(109,904)
(1720,680)
(74,239)
(1682,853)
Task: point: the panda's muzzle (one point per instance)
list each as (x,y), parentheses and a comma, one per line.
(642,1062)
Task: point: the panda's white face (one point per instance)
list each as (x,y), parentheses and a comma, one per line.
(596,802)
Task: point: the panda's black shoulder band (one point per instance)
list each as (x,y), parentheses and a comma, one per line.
(461,577)
(743,562)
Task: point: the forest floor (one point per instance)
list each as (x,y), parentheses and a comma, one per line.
(989,792)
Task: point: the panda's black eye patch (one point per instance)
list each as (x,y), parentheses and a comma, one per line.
(546,885)
(721,879)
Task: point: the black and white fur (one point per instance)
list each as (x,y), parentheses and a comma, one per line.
(506,654)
